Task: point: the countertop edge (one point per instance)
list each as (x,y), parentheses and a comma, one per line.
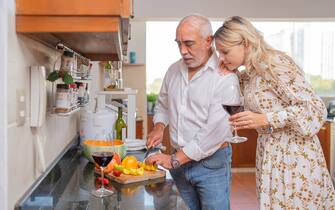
(37,182)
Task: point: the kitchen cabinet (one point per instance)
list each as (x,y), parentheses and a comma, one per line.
(166,136)
(244,154)
(96,29)
(139,129)
(325,139)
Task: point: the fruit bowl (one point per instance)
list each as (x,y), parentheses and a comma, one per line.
(91,146)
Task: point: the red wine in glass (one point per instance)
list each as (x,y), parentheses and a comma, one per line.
(102,159)
(234,109)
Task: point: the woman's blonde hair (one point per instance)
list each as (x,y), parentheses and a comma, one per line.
(238,30)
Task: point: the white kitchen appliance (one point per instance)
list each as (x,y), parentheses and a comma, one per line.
(97,125)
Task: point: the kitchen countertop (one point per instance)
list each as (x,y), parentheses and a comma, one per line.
(69,183)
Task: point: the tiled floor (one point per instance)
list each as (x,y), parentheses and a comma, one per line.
(243,192)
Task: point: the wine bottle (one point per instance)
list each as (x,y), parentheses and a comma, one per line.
(120,126)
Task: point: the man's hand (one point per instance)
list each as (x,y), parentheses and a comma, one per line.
(155,137)
(160,159)
(248,120)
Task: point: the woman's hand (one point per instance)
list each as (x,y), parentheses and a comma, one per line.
(248,120)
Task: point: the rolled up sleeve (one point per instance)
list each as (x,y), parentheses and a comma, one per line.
(217,129)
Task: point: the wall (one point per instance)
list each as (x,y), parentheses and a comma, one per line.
(134,76)
(3,106)
(223,8)
(138,40)
(58,131)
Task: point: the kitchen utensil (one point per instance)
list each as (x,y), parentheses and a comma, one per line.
(127,179)
(153,150)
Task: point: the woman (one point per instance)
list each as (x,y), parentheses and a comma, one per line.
(291,169)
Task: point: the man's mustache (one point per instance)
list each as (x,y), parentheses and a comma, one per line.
(187,57)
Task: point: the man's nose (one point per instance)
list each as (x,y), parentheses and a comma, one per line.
(183,49)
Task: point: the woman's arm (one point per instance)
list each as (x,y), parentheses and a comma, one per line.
(304,111)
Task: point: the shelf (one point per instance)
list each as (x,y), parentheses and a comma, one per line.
(68,113)
(126,91)
(82,80)
(133,64)
(98,30)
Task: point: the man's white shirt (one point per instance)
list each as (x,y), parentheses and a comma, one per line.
(193,109)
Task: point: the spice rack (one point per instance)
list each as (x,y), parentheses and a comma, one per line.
(67,99)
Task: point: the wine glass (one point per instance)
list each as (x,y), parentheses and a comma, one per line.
(102,159)
(233,104)
(234,109)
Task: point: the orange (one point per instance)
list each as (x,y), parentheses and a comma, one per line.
(130,162)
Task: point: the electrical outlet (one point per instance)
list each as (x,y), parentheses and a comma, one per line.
(20,107)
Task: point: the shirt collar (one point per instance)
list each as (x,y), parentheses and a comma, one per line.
(212,64)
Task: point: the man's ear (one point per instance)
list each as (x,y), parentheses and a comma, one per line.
(209,40)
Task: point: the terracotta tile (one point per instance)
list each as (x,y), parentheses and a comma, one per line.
(243,191)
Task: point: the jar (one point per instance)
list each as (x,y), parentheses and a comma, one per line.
(67,63)
(81,94)
(63,98)
(74,95)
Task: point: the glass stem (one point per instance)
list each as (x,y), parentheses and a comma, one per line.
(235,131)
(102,178)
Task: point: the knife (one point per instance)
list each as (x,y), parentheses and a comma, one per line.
(154,150)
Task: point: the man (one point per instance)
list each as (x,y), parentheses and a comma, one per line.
(190,101)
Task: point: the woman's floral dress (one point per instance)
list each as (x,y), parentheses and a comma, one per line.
(291,171)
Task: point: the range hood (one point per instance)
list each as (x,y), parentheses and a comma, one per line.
(96,29)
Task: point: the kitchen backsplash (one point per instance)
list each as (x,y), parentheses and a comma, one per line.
(56,132)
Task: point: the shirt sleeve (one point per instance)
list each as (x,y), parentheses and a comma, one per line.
(213,134)
(304,112)
(161,107)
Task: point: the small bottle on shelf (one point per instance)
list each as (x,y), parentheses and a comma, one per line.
(63,98)
(120,126)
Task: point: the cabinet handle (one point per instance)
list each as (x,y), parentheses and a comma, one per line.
(323,128)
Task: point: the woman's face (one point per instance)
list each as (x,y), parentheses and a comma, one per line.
(231,57)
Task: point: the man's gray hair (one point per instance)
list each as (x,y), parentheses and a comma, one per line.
(199,21)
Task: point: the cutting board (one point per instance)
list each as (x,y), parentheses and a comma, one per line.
(127,179)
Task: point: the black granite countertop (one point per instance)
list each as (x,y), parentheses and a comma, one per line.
(69,184)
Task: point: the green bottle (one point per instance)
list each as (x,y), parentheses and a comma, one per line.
(120,126)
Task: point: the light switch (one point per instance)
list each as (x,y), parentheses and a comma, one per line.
(20,107)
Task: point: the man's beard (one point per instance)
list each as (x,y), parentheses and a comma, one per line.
(195,62)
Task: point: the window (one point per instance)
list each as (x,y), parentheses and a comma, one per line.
(310,44)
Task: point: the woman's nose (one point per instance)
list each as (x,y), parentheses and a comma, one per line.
(221,58)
